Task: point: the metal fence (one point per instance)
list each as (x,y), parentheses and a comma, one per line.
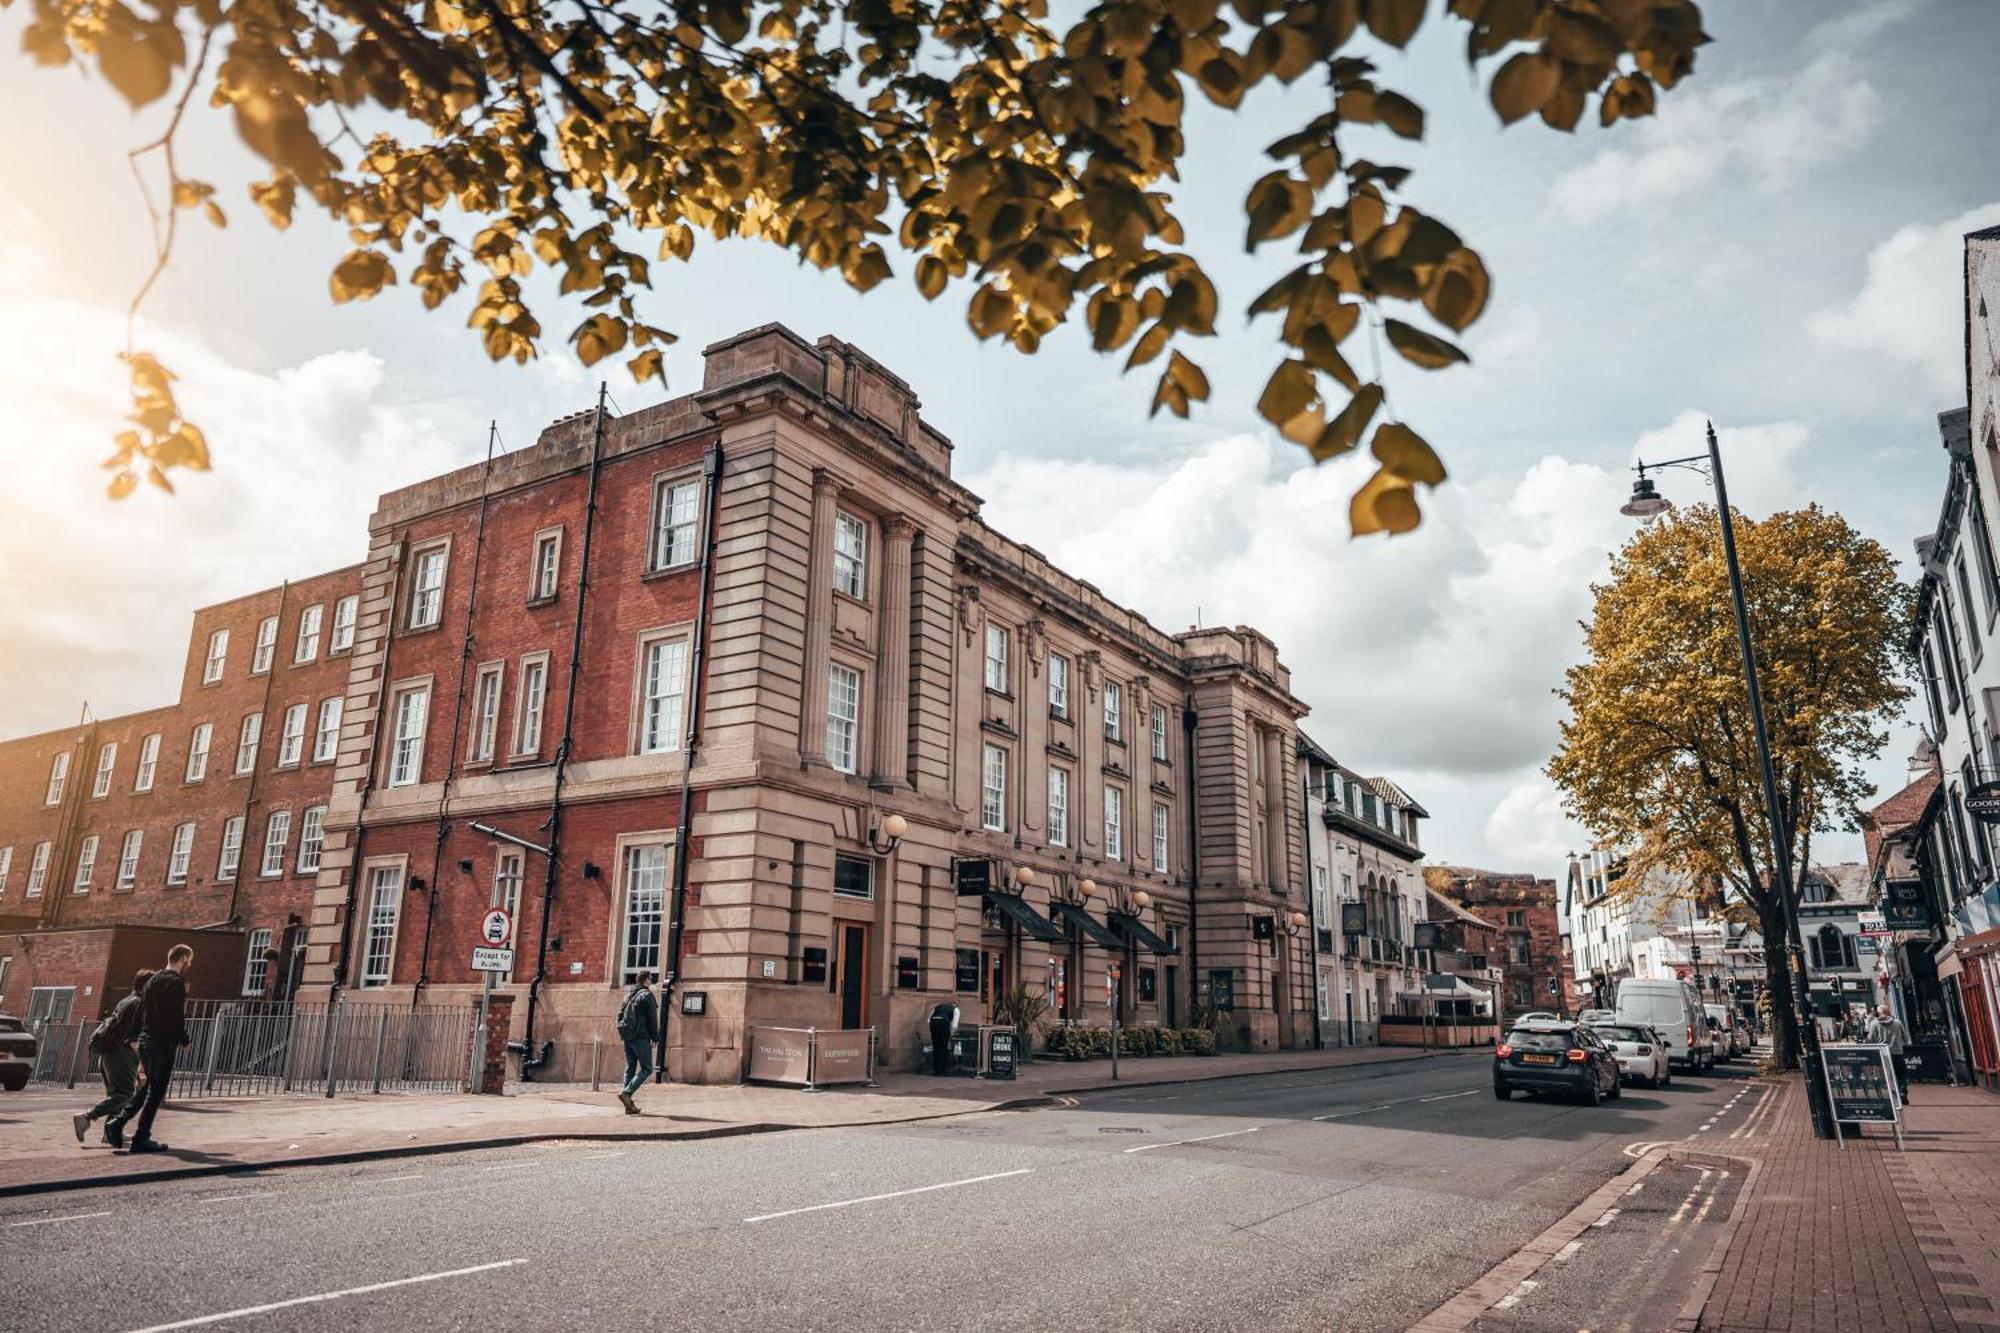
(250,1048)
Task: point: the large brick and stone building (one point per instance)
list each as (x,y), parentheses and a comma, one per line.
(796,724)
(1523,909)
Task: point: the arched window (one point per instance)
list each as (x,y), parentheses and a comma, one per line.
(1835,949)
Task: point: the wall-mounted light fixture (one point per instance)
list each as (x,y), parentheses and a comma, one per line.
(886,836)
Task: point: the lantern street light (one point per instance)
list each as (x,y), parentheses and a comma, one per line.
(886,836)
(1023,877)
(1646,502)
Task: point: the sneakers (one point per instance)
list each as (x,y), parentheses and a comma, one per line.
(80,1122)
(147,1145)
(114,1135)
(631,1107)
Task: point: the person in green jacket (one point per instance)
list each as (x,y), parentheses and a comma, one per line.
(117,1061)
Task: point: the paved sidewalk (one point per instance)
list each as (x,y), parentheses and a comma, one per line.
(39,1152)
(1865,1239)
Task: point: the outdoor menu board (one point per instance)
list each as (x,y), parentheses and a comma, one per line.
(1861,1084)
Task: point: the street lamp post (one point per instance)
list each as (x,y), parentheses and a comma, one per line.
(1646,502)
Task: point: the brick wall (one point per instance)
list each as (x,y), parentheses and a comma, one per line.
(1523,911)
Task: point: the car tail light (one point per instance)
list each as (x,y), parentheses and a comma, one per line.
(1577,1055)
(1503,1051)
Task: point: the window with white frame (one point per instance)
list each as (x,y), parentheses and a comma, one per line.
(378,947)
(662,695)
(427,588)
(312,838)
(843,717)
(676,522)
(1160,826)
(850,554)
(247,737)
(277,836)
(6,868)
(645,904)
(993,789)
(267,644)
(507,893)
(1114,711)
(86,865)
(528,708)
(547,565)
(1058,806)
(230,858)
(1160,732)
(345,612)
(38,870)
(218,656)
(406,749)
(256,967)
(107,764)
(149,763)
(1114,823)
(292,736)
(485,713)
(197,764)
(326,729)
(307,649)
(1058,686)
(1324,987)
(128,859)
(996,658)
(58,778)
(180,853)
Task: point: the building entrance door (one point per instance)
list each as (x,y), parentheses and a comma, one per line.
(853,976)
(993,982)
(1173,996)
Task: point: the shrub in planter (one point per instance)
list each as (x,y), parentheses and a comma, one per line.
(1198,1041)
(1100,1041)
(1135,1041)
(1169,1041)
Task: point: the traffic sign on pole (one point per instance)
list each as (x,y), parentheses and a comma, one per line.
(496,928)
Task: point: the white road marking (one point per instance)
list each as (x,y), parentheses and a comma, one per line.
(599,1156)
(1447,1096)
(386,1180)
(1404,1101)
(1199,1138)
(328,1296)
(1568,1251)
(510,1166)
(1359,1110)
(1610,1215)
(892,1194)
(67,1217)
(1513,1298)
(231,1198)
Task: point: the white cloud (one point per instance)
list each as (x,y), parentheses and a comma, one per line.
(1528,827)
(1765,132)
(97,596)
(1911,305)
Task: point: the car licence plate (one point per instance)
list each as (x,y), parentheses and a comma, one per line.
(1538,1059)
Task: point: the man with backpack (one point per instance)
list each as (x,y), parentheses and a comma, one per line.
(118,1064)
(639,1029)
(162,1033)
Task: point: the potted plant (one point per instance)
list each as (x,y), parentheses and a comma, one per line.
(1023,1007)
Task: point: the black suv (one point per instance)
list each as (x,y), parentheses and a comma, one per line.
(1555,1057)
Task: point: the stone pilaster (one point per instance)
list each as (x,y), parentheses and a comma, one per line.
(892,657)
(819,621)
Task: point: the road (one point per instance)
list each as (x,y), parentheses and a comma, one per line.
(1348,1199)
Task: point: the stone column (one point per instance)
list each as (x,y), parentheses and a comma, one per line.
(819,622)
(1275,861)
(892,656)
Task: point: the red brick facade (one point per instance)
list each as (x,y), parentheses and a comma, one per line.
(1527,943)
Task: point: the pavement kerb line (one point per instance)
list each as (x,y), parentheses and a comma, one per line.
(1689,1318)
(570,1135)
(1461,1310)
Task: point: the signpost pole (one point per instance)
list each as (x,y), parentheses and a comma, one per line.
(1111,986)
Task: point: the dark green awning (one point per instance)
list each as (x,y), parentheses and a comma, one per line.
(1093,929)
(1032,923)
(1135,930)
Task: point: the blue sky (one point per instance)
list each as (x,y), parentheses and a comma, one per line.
(1776,250)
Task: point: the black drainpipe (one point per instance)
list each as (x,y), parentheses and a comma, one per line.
(1188,720)
(1312,905)
(711,467)
(60,877)
(457,714)
(256,769)
(531,1059)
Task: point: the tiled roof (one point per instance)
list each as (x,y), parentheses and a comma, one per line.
(1900,811)
(1395,795)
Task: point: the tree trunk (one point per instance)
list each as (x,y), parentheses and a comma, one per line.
(1778,980)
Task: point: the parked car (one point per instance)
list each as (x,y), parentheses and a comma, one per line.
(1732,1027)
(17,1053)
(1555,1057)
(1642,1056)
(1670,1009)
(1598,1016)
(1540,1016)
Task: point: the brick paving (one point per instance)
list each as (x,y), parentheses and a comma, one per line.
(1869,1238)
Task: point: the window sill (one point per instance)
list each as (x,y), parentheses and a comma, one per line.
(667,571)
(860,599)
(1007,695)
(534,602)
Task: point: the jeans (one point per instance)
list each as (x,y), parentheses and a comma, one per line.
(638,1063)
(158,1060)
(120,1069)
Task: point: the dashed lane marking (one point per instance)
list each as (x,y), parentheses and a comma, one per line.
(67,1217)
(510,1166)
(1567,1252)
(231,1198)
(1447,1096)
(1515,1297)
(248,1310)
(1610,1216)
(892,1194)
(1199,1138)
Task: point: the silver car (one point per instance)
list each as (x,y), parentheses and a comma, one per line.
(1642,1056)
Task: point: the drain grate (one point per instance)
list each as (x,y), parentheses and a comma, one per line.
(1119,1129)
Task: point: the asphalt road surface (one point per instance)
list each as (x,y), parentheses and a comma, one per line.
(1334,1199)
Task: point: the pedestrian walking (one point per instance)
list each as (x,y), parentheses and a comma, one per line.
(639,1029)
(117,1062)
(1885,1029)
(162,1033)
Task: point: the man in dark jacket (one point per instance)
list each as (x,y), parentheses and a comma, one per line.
(639,1029)
(162,1033)
(117,1062)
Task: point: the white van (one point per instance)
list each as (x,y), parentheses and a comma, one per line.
(1671,1009)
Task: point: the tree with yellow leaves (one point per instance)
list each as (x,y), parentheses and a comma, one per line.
(464,143)
(1658,756)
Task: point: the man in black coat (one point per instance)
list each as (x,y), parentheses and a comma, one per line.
(162,1033)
